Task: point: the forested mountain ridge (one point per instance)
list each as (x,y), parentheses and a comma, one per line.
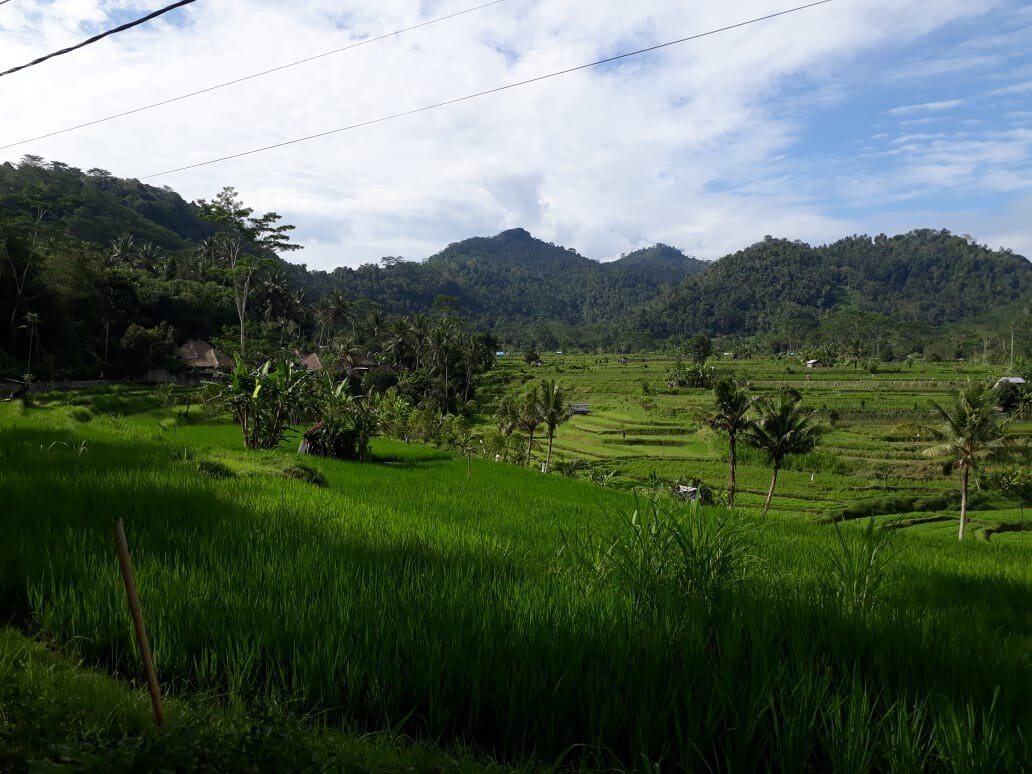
(94,206)
(925,277)
(515,278)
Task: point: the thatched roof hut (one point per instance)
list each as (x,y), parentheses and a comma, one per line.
(201,355)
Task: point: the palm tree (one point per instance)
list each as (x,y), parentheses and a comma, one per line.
(553,411)
(419,333)
(335,311)
(971,430)
(729,415)
(530,417)
(396,342)
(783,428)
(122,250)
(507,419)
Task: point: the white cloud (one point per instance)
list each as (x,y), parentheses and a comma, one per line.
(603,161)
(926,107)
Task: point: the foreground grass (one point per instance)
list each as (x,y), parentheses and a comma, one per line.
(57,716)
(405,596)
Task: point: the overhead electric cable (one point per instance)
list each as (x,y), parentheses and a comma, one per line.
(235,81)
(101,36)
(486,92)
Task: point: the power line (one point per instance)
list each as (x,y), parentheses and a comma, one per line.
(101,36)
(365,42)
(495,90)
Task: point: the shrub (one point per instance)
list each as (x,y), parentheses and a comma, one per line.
(860,568)
(306,473)
(661,557)
(81,414)
(215,469)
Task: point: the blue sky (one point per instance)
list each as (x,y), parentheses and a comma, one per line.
(938,128)
(857,116)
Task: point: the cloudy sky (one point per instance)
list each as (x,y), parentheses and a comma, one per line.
(856,116)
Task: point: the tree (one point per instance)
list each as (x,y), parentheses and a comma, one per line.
(783,428)
(730,415)
(507,419)
(552,401)
(243,245)
(699,348)
(970,431)
(530,417)
(334,312)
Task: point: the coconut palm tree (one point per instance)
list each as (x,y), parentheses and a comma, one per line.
(730,415)
(784,427)
(335,311)
(971,430)
(530,417)
(552,400)
(507,419)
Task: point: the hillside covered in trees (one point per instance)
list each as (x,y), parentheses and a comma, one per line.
(100,274)
(904,287)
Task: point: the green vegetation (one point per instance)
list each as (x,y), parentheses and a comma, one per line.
(57,716)
(467,612)
(518,617)
(106,276)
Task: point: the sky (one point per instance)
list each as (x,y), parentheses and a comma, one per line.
(857,116)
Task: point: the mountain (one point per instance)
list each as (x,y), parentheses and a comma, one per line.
(924,277)
(514,278)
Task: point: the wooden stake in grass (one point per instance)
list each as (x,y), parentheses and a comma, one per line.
(141,631)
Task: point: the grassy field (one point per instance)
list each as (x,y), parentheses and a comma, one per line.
(505,618)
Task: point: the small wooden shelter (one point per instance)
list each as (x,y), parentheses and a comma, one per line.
(199,355)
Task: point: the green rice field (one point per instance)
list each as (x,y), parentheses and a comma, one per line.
(410,615)
(864,456)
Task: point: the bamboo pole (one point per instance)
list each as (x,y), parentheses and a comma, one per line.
(141,632)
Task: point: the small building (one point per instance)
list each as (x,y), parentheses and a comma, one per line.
(199,355)
(580,408)
(815,364)
(1010,380)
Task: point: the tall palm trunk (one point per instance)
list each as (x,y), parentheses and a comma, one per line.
(731,482)
(530,446)
(963,500)
(770,492)
(548,457)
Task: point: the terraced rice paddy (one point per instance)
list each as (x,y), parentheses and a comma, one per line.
(638,426)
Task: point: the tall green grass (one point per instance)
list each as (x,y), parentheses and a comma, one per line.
(404,596)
